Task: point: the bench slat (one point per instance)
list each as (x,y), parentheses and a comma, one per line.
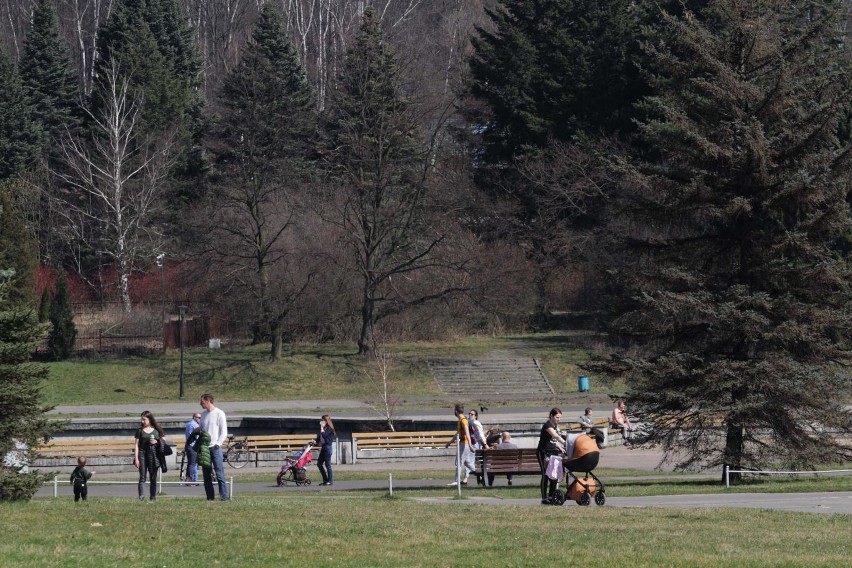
(522,461)
(401,440)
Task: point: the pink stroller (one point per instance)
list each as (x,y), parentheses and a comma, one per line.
(293,470)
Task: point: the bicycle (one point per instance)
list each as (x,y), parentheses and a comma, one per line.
(237,453)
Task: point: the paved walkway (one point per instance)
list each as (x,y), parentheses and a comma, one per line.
(839,503)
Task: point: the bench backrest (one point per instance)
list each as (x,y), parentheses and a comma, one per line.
(522,460)
(283,442)
(377,440)
(88,448)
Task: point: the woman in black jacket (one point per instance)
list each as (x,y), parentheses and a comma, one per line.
(325,439)
(147,453)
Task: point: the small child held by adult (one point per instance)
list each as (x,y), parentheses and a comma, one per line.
(80,479)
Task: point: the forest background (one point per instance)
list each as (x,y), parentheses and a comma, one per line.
(284,257)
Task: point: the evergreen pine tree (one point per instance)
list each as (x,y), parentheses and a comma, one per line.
(549,78)
(17,248)
(259,148)
(20,135)
(153,42)
(378,165)
(44,306)
(555,70)
(63,333)
(23,423)
(48,78)
(740,319)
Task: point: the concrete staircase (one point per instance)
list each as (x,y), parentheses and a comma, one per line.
(491,378)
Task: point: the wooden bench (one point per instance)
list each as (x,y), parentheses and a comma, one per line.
(67,448)
(401,440)
(277,443)
(489,463)
(272,443)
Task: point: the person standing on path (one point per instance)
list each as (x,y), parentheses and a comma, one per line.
(325,439)
(464,453)
(189,450)
(549,440)
(146,457)
(214,422)
(477,437)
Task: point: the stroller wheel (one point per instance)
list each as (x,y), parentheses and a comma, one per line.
(280,479)
(585,499)
(558,497)
(307,481)
(600,498)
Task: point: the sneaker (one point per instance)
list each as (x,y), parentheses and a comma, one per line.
(453,484)
(548,501)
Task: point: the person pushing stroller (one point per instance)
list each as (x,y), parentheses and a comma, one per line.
(582,454)
(293,470)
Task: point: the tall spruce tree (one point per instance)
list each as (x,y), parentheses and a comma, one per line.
(740,320)
(63,332)
(48,78)
(23,423)
(259,147)
(548,77)
(378,169)
(20,134)
(555,70)
(44,306)
(153,43)
(17,249)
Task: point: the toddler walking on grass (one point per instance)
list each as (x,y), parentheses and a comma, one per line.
(80,478)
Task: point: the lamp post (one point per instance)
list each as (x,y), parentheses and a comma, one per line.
(160,262)
(182,309)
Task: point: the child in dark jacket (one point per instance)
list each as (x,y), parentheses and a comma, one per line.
(80,478)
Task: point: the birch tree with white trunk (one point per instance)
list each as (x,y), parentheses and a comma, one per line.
(114,179)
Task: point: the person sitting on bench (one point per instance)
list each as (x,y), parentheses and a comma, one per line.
(620,420)
(505,444)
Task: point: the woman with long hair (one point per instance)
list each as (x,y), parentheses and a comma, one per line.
(550,441)
(146,457)
(325,439)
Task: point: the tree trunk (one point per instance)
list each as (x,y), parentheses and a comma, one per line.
(124,276)
(277,340)
(734,451)
(365,339)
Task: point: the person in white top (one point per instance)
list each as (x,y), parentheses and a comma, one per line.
(214,422)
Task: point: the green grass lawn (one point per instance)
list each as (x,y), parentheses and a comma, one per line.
(342,529)
(307,371)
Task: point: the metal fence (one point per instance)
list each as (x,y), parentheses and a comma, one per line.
(105,328)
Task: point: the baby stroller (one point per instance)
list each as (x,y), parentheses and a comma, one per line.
(584,458)
(293,470)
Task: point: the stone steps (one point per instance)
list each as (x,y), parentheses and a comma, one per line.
(491,378)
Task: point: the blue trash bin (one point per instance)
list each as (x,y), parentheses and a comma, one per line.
(583,384)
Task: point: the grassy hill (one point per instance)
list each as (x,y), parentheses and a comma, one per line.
(307,371)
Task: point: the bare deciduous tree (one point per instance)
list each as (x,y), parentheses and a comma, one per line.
(384,383)
(114,179)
